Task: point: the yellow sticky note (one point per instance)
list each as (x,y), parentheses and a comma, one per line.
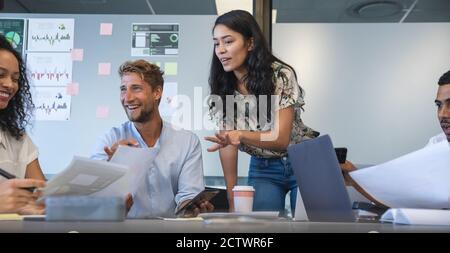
(171,68)
(10,216)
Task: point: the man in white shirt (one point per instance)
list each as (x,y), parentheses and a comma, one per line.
(443,109)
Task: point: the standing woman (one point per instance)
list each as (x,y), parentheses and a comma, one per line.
(18,154)
(244,67)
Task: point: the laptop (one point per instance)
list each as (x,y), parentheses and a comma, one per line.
(320,182)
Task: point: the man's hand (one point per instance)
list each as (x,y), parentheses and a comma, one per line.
(346,168)
(13,196)
(203,207)
(111,150)
(128,202)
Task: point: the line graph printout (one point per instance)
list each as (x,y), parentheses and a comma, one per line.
(45,35)
(52,103)
(49,69)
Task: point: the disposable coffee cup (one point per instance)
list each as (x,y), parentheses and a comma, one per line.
(243,198)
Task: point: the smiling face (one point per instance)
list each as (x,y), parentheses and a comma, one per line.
(443,108)
(9,77)
(138,98)
(231,48)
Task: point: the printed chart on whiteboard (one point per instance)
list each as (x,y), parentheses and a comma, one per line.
(154,39)
(168,101)
(50,35)
(52,103)
(50,69)
(14,32)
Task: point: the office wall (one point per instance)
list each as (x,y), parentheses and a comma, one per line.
(370,86)
(59,141)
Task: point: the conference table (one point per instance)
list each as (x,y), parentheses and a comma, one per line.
(210,226)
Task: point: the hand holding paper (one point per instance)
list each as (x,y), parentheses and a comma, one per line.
(417,180)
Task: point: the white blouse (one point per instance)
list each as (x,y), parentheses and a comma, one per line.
(15,155)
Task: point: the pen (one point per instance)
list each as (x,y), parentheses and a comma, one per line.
(8,175)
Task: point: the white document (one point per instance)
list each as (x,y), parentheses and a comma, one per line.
(50,69)
(52,103)
(83,177)
(417,180)
(411,216)
(50,34)
(138,161)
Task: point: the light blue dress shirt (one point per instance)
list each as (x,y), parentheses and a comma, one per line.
(176,174)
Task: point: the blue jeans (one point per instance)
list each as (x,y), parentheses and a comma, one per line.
(272,179)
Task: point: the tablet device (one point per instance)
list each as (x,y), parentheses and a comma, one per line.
(205,195)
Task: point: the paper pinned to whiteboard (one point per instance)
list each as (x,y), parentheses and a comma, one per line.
(52,103)
(50,69)
(50,35)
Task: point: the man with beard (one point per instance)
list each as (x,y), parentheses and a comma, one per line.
(443,109)
(176,174)
(442,102)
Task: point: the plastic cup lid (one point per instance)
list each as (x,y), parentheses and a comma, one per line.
(243,188)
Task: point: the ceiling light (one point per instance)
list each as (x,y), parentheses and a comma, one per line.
(224,6)
(375,9)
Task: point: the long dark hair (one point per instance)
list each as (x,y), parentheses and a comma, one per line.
(260,77)
(17,115)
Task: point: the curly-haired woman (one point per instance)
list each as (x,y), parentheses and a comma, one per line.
(18,154)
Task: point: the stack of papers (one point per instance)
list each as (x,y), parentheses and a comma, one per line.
(412,216)
(116,178)
(84,177)
(253,215)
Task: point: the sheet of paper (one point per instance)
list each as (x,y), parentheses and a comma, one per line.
(50,35)
(168,100)
(411,216)
(52,103)
(139,161)
(50,69)
(420,179)
(84,176)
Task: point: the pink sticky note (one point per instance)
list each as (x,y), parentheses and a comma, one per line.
(102,112)
(104,68)
(106,28)
(72,89)
(77,54)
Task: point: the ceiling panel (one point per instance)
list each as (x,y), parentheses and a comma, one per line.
(288,11)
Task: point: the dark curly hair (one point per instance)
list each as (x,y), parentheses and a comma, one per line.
(444,79)
(17,115)
(260,77)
